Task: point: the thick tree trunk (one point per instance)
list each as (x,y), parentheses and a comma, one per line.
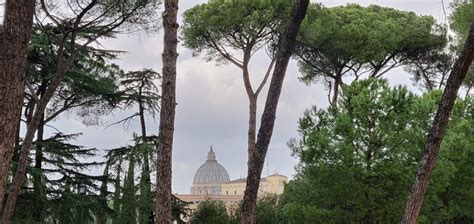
(435,137)
(15,34)
(256,161)
(167,114)
(33,125)
(20,174)
(252,124)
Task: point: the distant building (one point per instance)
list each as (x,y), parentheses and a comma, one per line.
(212,182)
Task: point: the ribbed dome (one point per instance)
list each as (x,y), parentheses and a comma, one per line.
(211,171)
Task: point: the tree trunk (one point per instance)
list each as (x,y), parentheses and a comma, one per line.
(435,137)
(129,206)
(141,113)
(337,84)
(33,125)
(102,213)
(18,129)
(256,161)
(15,34)
(37,179)
(167,114)
(252,125)
(252,96)
(38,186)
(117,202)
(145,201)
(20,174)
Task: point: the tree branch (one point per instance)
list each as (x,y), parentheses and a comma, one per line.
(267,74)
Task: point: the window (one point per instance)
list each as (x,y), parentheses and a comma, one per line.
(235,192)
(227,192)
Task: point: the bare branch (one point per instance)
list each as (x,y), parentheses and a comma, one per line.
(51,17)
(267,74)
(224,53)
(123,120)
(32,91)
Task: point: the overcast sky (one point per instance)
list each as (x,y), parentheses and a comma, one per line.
(212,104)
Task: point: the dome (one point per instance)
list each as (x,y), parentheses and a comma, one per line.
(211,171)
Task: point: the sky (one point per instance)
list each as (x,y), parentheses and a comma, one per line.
(213,107)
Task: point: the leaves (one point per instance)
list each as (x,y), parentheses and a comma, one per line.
(361,41)
(222,26)
(357,159)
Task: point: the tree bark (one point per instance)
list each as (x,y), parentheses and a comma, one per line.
(37,179)
(256,161)
(252,96)
(141,113)
(146,177)
(337,84)
(436,134)
(102,213)
(167,114)
(15,34)
(39,193)
(33,125)
(252,124)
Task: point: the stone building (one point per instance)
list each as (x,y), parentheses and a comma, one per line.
(212,182)
(209,177)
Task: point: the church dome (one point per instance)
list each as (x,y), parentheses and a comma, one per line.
(211,171)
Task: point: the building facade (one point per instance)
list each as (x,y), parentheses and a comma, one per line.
(211,182)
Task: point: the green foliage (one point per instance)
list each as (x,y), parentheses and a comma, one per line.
(431,70)
(355,40)
(269,210)
(59,52)
(117,198)
(90,86)
(469,80)
(90,89)
(218,26)
(139,87)
(64,168)
(462,17)
(210,212)
(357,160)
(354,155)
(104,18)
(126,203)
(145,200)
(129,203)
(179,208)
(454,180)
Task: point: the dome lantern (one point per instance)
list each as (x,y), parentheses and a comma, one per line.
(211,156)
